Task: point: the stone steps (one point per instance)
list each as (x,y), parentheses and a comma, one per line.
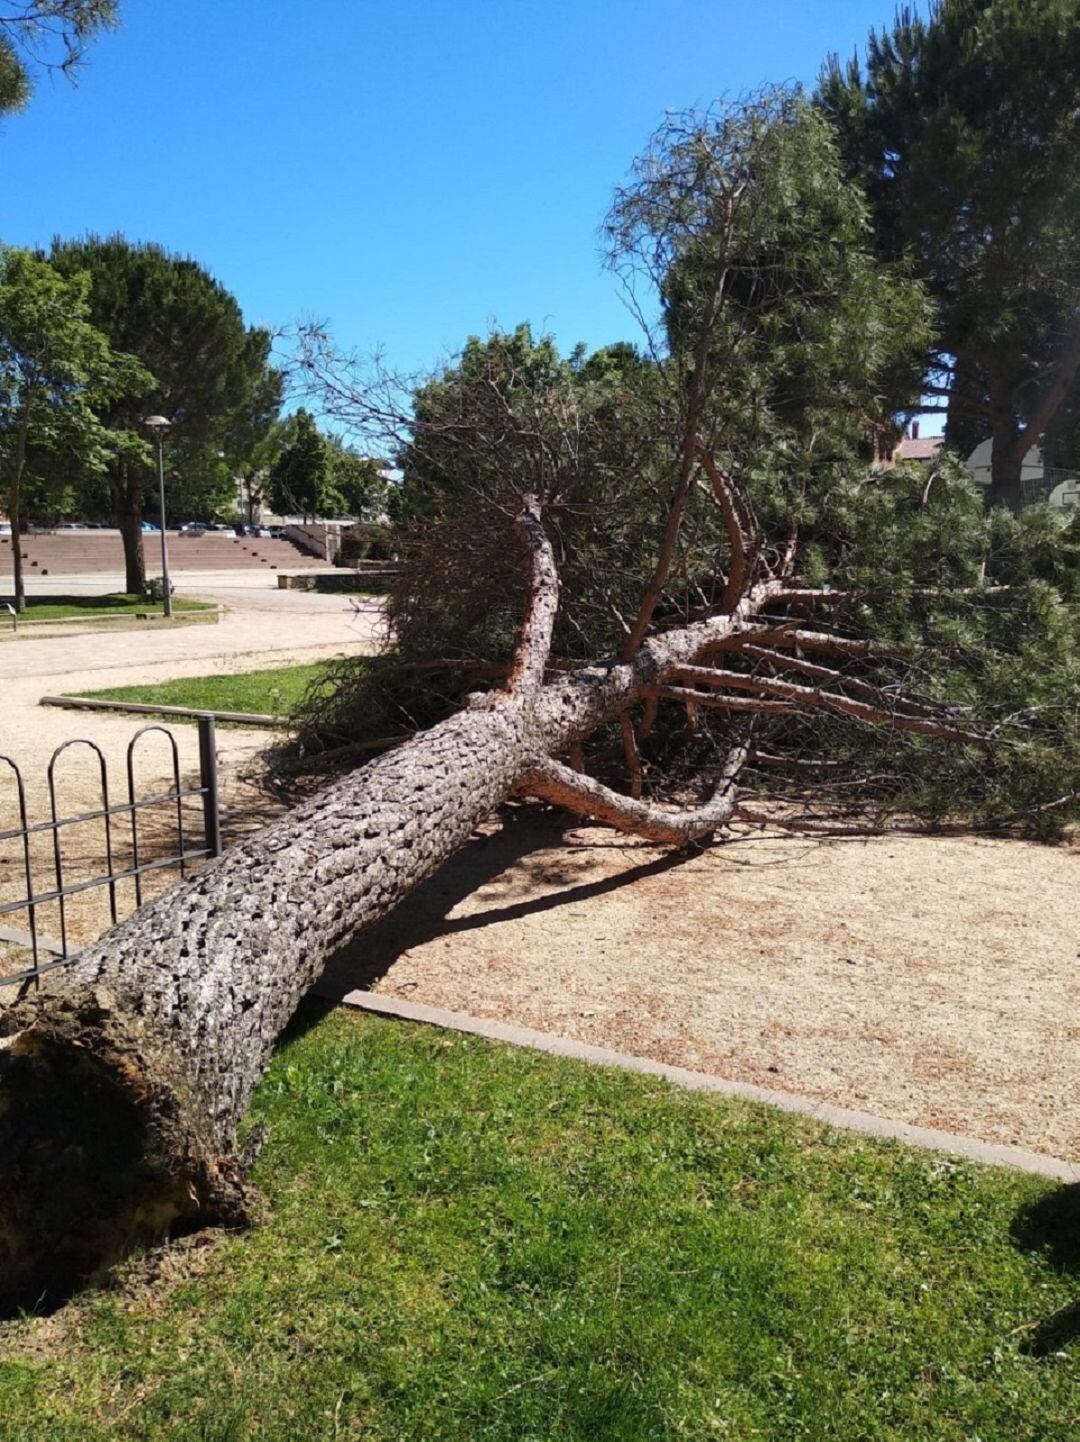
(88,553)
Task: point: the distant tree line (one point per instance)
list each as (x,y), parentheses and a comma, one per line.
(317,474)
(103,332)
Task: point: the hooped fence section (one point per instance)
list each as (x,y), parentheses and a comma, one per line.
(46,954)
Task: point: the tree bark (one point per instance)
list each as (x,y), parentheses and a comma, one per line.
(15,512)
(563,786)
(122,1084)
(129,518)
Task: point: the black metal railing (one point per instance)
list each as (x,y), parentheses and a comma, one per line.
(57,891)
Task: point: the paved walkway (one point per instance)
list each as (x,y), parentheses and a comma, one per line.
(187,583)
(260,627)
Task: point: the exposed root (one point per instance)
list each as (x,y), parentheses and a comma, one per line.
(97,1155)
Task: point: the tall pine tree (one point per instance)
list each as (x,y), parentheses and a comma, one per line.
(964,128)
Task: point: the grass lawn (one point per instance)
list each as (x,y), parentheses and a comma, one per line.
(472,1243)
(274,692)
(81,608)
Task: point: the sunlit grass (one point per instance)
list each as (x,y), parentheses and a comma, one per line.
(83,608)
(272,692)
(468,1242)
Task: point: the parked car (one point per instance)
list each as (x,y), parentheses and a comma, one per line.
(149,526)
(193,528)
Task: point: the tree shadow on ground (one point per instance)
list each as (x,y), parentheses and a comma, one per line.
(524,831)
(1050,1227)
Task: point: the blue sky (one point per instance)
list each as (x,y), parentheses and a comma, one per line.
(410,172)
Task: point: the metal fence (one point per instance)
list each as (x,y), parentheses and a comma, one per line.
(1063,485)
(126,813)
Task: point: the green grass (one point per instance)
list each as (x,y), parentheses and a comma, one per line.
(467,1242)
(75,608)
(274,692)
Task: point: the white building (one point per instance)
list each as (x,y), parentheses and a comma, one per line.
(978,463)
(1038,482)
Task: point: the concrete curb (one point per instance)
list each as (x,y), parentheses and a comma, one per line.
(985,1153)
(138,708)
(16,936)
(62,627)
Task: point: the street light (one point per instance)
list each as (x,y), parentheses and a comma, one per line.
(159,425)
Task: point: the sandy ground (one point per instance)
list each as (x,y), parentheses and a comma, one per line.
(933,981)
(259,627)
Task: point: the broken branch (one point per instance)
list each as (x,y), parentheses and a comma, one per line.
(815,696)
(551,781)
(534,641)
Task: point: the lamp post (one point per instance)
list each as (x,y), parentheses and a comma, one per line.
(159,425)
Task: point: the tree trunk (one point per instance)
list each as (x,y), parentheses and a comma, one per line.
(129,518)
(15,512)
(17,582)
(965,426)
(1006,467)
(123,1082)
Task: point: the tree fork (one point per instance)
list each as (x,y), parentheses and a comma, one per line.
(562,786)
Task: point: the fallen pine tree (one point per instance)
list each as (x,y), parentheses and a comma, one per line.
(124,1080)
(777,603)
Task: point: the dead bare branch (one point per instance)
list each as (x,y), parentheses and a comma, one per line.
(739,522)
(815,696)
(858,684)
(630,751)
(534,640)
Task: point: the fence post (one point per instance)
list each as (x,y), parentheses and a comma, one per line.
(208,780)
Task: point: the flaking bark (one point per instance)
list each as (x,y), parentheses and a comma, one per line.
(169,1021)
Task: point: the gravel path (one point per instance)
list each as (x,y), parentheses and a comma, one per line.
(259,628)
(932,981)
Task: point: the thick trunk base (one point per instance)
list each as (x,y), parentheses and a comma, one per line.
(97,1157)
(134,559)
